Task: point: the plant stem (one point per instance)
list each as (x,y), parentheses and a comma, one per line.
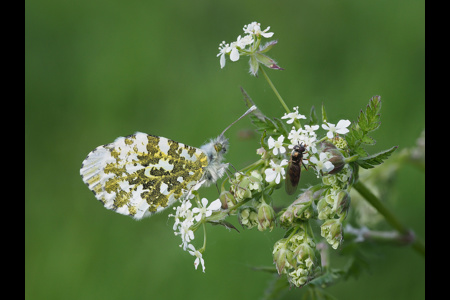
(274,89)
(389,216)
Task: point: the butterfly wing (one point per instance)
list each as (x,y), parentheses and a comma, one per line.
(142,174)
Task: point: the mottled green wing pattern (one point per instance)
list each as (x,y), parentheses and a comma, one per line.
(141,174)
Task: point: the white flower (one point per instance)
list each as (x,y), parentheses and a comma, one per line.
(293,116)
(182,211)
(206,211)
(295,136)
(199,259)
(311,129)
(305,137)
(186,233)
(322,164)
(243,42)
(223,49)
(234,52)
(276,172)
(255,28)
(341,128)
(276,145)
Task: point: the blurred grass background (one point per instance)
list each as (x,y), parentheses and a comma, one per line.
(96,70)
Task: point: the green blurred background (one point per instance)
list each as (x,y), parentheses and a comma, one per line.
(96,70)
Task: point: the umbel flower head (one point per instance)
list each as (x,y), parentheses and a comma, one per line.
(250,45)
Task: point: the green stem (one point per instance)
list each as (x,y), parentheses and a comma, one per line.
(274,89)
(388,215)
(204,239)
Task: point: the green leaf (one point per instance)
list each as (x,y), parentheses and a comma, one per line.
(281,127)
(331,276)
(367,140)
(226,224)
(313,117)
(324,114)
(277,288)
(370,119)
(375,159)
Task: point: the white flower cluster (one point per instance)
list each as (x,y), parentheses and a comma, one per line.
(186,218)
(242,44)
(306,136)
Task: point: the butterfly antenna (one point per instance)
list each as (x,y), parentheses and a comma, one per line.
(246,113)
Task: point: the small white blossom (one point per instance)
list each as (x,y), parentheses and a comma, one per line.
(224,48)
(245,41)
(293,116)
(277,145)
(322,164)
(311,129)
(205,211)
(255,28)
(181,212)
(186,233)
(199,259)
(276,172)
(340,128)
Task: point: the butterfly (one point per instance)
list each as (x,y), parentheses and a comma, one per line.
(141,174)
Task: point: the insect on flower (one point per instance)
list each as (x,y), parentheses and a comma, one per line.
(294,169)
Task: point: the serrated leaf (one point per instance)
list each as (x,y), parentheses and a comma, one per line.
(375,159)
(277,288)
(367,140)
(330,277)
(370,119)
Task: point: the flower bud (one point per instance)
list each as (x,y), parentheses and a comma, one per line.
(227,199)
(282,256)
(331,230)
(300,209)
(336,157)
(248,217)
(342,202)
(324,209)
(240,187)
(266,217)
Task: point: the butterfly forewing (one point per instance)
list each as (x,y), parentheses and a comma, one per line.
(141,174)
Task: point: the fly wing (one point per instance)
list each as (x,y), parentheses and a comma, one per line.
(293,172)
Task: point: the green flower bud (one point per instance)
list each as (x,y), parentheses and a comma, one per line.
(266,217)
(227,199)
(324,209)
(342,202)
(240,187)
(331,230)
(336,157)
(282,256)
(248,217)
